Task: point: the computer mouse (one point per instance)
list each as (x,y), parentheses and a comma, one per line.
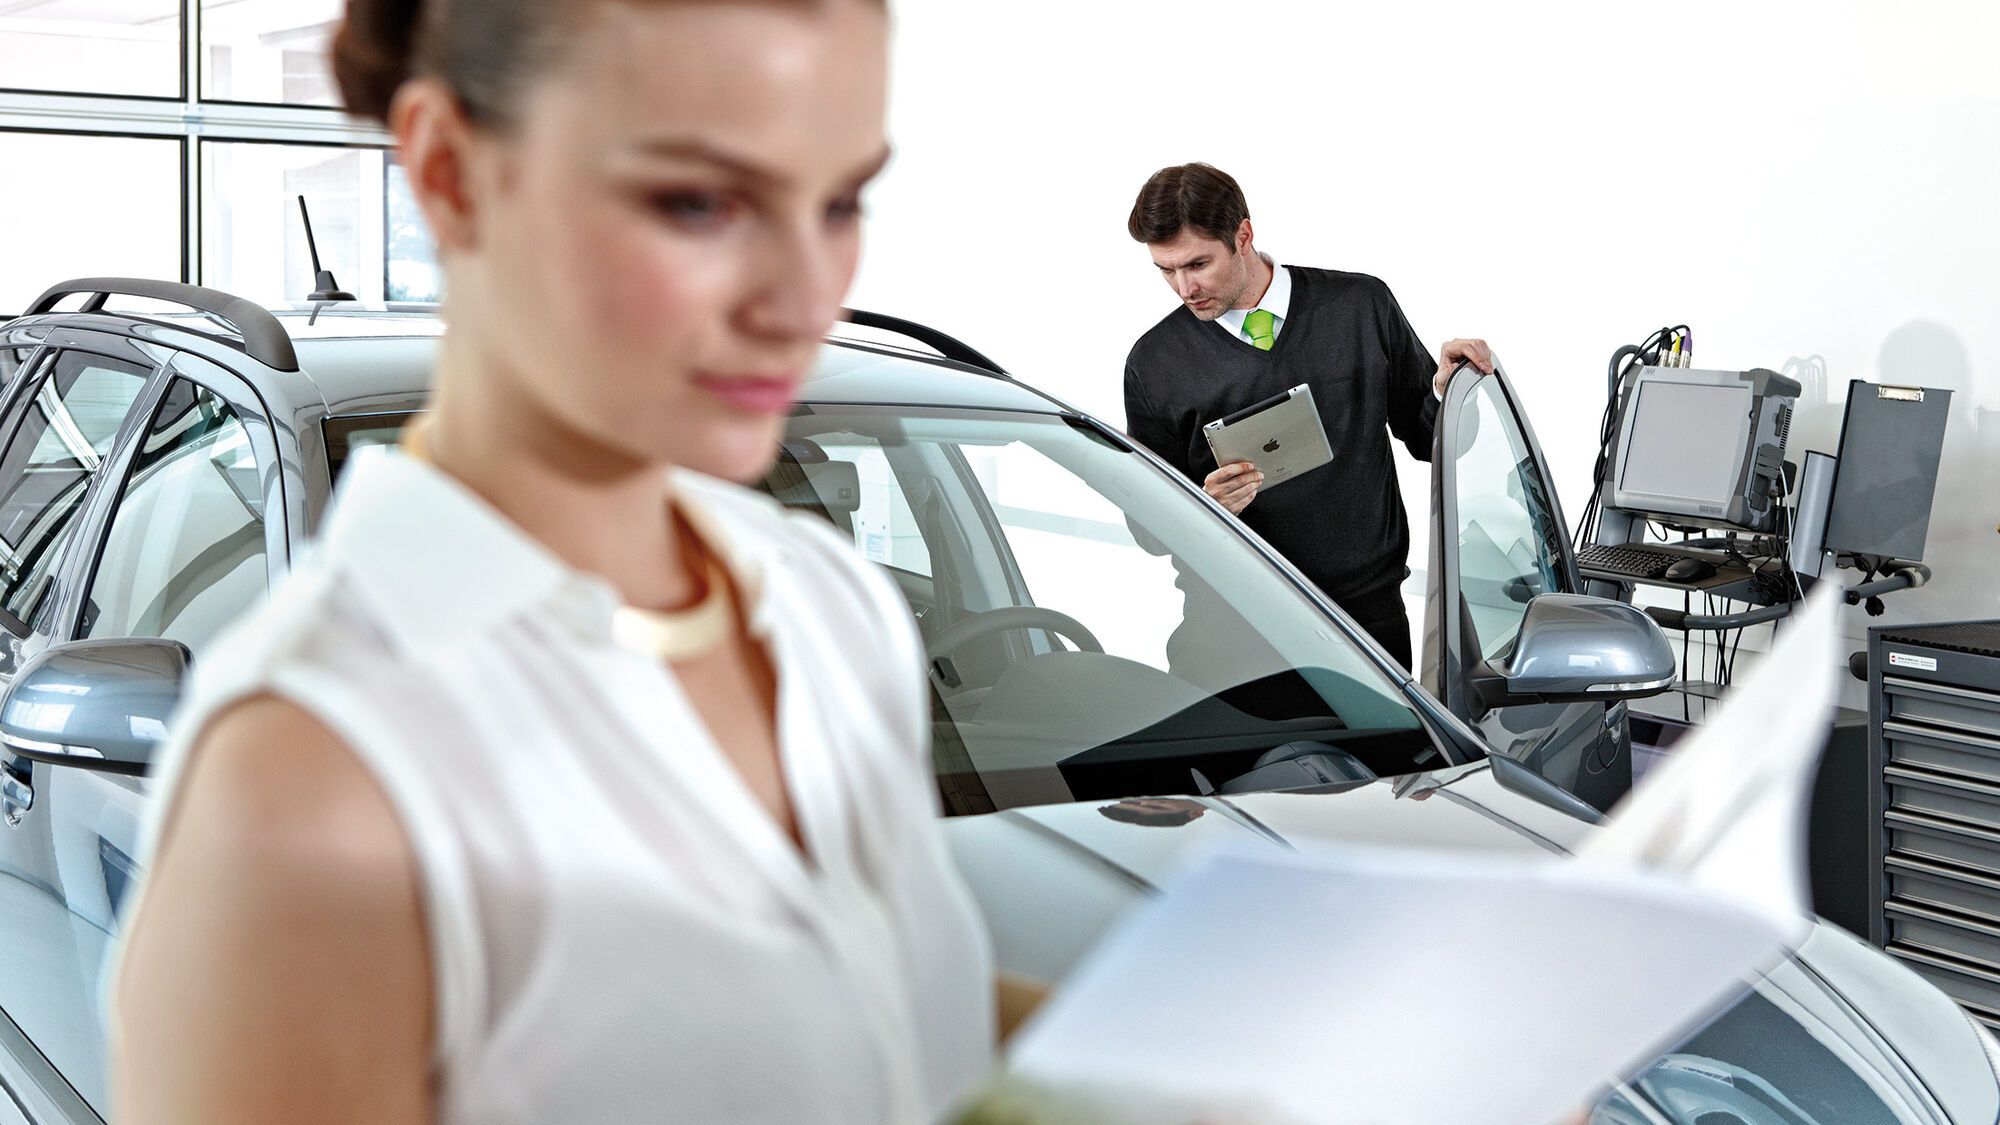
(1689,570)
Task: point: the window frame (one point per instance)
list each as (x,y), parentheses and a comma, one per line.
(13,414)
(186,117)
(255,418)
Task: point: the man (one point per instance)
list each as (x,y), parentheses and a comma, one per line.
(1248,329)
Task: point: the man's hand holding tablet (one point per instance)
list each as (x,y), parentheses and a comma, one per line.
(1234,485)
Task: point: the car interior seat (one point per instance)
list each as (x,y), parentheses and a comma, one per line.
(805,478)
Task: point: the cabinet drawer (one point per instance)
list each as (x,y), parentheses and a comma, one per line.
(1944,751)
(1962,708)
(1942,841)
(1938,931)
(1944,888)
(1976,988)
(1959,799)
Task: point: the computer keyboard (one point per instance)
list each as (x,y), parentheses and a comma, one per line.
(1625,562)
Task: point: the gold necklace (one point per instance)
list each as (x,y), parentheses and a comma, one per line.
(675,636)
(679,635)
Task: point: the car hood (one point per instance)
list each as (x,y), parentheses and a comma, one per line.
(1839,1033)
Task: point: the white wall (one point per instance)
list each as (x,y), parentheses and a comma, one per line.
(1791,179)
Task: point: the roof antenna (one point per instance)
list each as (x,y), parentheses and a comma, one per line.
(325,289)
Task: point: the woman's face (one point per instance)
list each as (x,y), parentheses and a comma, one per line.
(668,232)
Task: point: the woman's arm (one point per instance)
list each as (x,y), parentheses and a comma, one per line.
(277,968)
(1017,998)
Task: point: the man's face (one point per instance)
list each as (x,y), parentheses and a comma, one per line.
(1210,277)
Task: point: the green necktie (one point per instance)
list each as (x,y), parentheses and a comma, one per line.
(1261,326)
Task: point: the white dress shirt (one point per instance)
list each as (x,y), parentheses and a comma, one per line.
(619,931)
(1277,301)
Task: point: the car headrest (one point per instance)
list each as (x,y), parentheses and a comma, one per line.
(827,488)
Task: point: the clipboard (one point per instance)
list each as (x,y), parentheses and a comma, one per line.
(1281,435)
(1885,479)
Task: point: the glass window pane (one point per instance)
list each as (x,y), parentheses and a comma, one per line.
(413,268)
(62,442)
(253,241)
(850,482)
(1017,538)
(1507,529)
(271,51)
(347,436)
(125,47)
(12,360)
(1077,552)
(78,206)
(185,553)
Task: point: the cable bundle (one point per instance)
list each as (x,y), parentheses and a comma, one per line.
(1666,347)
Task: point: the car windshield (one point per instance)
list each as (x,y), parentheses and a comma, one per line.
(1093,631)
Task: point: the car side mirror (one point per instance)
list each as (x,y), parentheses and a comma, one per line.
(98,705)
(1577,649)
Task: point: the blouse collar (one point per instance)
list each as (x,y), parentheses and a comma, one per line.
(443,564)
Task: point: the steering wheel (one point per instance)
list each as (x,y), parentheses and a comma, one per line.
(1692,1088)
(1007,619)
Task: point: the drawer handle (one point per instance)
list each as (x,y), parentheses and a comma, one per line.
(1911,910)
(1939,824)
(1911,730)
(1941,781)
(1949,965)
(1918,687)
(1917,866)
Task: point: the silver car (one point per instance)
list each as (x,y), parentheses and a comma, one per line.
(1119,669)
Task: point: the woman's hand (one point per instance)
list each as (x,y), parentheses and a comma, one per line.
(1017,997)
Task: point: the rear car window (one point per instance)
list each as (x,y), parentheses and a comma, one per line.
(347,436)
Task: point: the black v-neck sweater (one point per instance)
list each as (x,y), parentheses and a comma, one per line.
(1342,524)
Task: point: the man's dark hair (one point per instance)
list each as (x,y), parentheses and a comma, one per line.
(1198,196)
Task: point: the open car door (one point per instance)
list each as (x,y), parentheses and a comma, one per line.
(1498,541)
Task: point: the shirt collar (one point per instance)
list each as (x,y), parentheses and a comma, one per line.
(439,563)
(1277,299)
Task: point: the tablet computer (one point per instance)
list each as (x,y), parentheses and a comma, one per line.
(1281,435)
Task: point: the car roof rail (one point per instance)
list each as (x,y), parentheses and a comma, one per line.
(264,338)
(949,347)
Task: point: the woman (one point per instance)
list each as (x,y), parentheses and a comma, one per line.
(550,788)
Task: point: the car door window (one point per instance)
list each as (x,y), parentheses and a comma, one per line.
(1508,533)
(1498,543)
(185,553)
(65,435)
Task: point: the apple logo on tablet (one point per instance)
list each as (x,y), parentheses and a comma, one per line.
(1271,446)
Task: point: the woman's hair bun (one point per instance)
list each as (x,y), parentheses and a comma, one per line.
(374,53)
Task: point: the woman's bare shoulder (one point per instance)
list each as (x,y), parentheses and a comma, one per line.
(284,894)
(267,772)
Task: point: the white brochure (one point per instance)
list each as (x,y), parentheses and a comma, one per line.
(1374,986)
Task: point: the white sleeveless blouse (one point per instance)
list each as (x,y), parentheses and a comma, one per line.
(619,931)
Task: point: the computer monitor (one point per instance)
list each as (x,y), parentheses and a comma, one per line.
(1703,447)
